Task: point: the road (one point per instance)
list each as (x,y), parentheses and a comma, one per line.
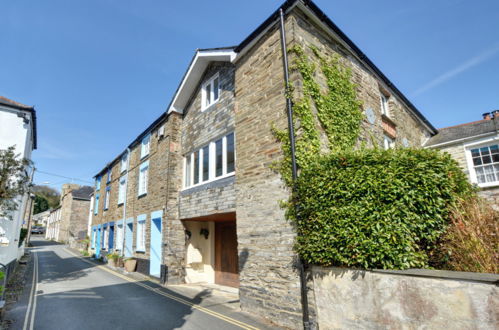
(66,291)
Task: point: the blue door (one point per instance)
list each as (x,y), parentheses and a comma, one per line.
(155,261)
(98,242)
(111,236)
(129,238)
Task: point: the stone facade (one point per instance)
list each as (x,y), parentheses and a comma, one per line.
(348,299)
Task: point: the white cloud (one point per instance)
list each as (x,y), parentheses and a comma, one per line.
(457,70)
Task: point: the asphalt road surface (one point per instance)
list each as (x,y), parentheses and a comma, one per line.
(65,291)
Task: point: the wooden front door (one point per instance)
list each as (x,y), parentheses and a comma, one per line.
(226,260)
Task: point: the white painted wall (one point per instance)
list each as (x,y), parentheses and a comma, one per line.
(14,131)
(200,254)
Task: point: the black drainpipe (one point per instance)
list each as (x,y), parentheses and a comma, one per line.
(291,130)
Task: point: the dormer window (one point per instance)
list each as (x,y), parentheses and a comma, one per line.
(210,92)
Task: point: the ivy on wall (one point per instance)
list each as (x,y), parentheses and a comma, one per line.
(367,208)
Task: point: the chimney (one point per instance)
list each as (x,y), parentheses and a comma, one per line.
(487,116)
(67,188)
(495,113)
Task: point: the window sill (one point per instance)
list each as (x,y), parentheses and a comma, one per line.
(142,195)
(140,251)
(209,181)
(209,106)
(488,185)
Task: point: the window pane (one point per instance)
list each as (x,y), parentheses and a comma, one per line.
(495,158)
(218,159)
(475,152)
(230,153)
(494,149)
(486,159)
(196,167)
(484,151)
(489,174)
(188,171)
(477,161)
(208,95)
(206,163)
(215,89)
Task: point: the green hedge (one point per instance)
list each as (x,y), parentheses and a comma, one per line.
(375,208)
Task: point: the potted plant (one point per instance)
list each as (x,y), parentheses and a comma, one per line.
(130,265)
(113,259)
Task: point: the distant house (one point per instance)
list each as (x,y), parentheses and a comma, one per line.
(475,146)
(41,219)
(17,128)
(69,222)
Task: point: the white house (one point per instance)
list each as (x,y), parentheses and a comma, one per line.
(17,128)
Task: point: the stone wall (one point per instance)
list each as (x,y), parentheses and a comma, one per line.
(348,299)
(79,220)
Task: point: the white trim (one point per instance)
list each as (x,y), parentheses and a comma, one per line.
(194,73)
(210,180)
(210,82)
(469,159)
(460,140)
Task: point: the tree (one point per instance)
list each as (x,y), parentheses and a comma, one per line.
(14,180)
(51,195)
(41,204)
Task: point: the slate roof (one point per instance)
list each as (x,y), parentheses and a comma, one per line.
(13,104)
(463,131)
(83,192)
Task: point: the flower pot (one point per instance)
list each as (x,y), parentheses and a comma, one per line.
(130,265)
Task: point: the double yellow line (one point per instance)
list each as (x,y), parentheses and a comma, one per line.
(172,297)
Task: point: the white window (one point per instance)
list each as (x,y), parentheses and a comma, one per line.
(210,92)
(122,190)
(141,233)
(119,237)
(389,143)
(145,146)
(485,161)
(143,176)
(109,175)
(213,161)
(94,238)
(108,195)
(385,110)
(124,163)
(96,206)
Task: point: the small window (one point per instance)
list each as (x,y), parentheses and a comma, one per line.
(486,164)
(141,234)
(122,190)
(109,173)
(94,238)
(143,177)
(230,153)
(385,110)
(96,206)
(196,167)
(210,92)
(389,143)
(219,157)
(206,163)
(188,166)
(97,183)
(145,146)
(106,198)
(119,237)
(124,163)
(105,239)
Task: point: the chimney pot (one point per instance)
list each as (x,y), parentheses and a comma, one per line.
(487,116)
(495,113)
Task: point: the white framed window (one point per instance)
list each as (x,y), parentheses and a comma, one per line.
(141,233)
(119,237)
(96,206)
(388,142)
(210,92)
(106,199)
(94,238)
(211,162)
(484,164)
(143,178)
(124,163)
(145,146)
(97,183)
(122,190)
(385,109)
(109,175)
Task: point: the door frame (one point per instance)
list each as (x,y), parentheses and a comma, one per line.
(219,278)
(156,244)
(129,238)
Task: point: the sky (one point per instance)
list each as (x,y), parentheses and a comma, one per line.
(100,71)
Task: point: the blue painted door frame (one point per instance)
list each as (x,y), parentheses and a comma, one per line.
(156,244)
(111,236)
(98,241)
(129,238)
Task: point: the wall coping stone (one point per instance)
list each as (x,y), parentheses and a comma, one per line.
(428,273)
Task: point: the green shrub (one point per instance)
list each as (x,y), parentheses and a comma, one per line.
(22,235)
(373,208)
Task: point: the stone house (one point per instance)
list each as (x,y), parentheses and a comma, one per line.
(69,221)
(41,219)
(222,222)
(475,146)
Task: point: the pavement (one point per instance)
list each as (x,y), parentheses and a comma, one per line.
(66,291)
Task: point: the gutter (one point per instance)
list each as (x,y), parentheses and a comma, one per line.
(459,140)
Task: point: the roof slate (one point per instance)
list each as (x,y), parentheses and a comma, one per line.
(83,192)
(463,131)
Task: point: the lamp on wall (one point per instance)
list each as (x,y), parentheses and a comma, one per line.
(204,232)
